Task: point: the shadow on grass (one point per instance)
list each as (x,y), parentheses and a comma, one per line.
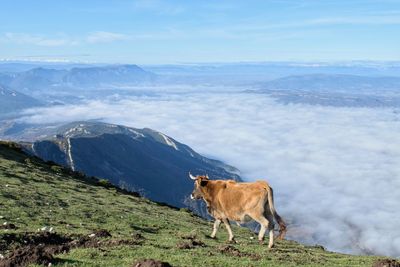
(58,261)
(145,229)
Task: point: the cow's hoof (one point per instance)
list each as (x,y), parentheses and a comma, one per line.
(233,241)
(270,246)
(211,237)
(261,242)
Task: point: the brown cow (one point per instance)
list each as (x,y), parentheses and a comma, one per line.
(228,200)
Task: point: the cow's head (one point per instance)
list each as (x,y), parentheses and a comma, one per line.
(200,182)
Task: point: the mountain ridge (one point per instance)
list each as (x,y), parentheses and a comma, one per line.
(41,78)
(139,159)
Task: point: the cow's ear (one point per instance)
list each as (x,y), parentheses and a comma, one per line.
(203,182)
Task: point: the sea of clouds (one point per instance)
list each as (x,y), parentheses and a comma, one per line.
(335,170)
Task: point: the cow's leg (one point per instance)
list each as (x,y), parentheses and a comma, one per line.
(228,228)
(270,228)
(271,232)
(215,227)
(265,224)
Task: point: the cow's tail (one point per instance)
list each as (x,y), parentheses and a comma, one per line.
(280,221)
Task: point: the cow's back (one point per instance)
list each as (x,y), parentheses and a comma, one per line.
(236,199)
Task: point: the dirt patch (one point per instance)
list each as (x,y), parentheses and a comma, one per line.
(386,263)
(189,244)
(190,241)
(92,242)
(101,233)
(232,251)
(151,263)
(40,248)
(40,254)
(9,241)
(137,236)
(9,226)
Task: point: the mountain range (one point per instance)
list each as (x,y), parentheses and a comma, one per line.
(141,160)
(43,79)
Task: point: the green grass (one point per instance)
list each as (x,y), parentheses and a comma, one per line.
(34,194)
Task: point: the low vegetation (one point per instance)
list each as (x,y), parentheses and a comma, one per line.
(69,219)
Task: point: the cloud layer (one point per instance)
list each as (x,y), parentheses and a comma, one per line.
(335,171)
(60,40)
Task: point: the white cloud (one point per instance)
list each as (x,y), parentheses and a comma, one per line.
(62,39)
(335,171)
(257,25)
(39,40)
(364,20)
(106,37)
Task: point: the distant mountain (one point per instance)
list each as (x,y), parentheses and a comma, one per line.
(44,78)
(247,73)
(19,66)
(36,79)
(138,159)
(337,82)
(13,101)
(120,74)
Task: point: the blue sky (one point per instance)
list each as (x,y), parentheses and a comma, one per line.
(155,31)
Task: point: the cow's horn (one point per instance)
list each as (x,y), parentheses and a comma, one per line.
(207,176)
(192,177)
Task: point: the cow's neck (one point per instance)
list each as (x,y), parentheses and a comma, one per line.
(210,193)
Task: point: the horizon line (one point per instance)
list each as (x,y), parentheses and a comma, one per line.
(67,61)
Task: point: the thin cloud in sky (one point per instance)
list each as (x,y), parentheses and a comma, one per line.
(252,30)
(37,39)
(204,31)
(261,25)
(365,20)
(63,40)
(106,37)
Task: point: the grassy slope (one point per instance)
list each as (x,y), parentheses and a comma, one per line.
(38,196)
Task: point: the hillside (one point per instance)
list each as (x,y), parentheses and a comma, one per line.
(142,160)
(37,195)
(13,101)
